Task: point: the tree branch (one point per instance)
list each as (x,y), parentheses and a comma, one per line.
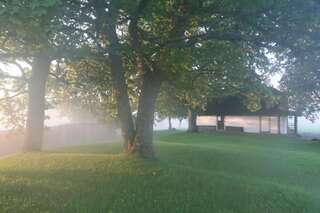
(13,96)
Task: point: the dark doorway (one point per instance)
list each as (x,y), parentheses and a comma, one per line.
(220,123)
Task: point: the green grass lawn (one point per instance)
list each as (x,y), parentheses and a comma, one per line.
(193,173)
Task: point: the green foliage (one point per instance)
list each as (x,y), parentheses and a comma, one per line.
(29,29)
(258,94)
(168,104)
(28,21)
(13,111)
(301,81)
(13,87)
(219,69)
(203,49)
(83,86)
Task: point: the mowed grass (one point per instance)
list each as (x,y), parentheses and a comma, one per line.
(192,173)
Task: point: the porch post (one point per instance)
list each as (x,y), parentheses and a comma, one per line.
(217,123)
(296,125)
(279,130)
(269,124)
(260,124)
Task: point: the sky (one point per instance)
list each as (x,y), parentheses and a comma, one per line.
(275,79)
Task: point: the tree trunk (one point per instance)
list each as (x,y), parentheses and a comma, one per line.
(36,106)
(143,144)
(192,120)
(170,123)
(180,122)
(120,87)
(296,125)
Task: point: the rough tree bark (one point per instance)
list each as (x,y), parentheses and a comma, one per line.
(137,139)
(117,71)
(120,87)
(151,82)
(192,120)
(143,143)
(36,106)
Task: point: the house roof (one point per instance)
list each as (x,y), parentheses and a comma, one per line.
(235,105)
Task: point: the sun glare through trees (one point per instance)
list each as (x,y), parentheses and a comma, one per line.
(77,73)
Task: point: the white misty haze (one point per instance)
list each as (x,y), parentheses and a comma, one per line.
(56,117)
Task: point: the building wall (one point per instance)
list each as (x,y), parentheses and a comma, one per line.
(250,124)
(206,121)
(265,124)
(284,125)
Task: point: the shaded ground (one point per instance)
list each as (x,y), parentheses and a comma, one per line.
(193,173)
(62,136)
(8,148)
(79,134)
(310,136)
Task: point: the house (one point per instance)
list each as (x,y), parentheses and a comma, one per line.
(232,115)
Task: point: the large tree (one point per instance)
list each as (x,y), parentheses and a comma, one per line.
(168,105)
(25,37)
(146,39)
(301,63)
(37,32)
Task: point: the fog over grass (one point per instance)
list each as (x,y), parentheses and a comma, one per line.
(306,125)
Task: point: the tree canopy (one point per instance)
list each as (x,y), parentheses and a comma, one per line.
(115,57)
